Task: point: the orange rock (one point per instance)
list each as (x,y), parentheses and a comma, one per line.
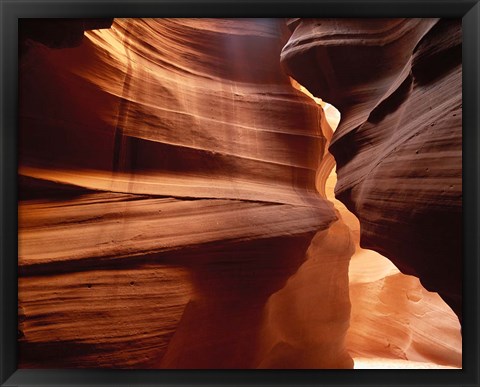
(398,148)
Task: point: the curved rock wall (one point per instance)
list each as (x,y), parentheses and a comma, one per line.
(394,321)
(163,154)
(398,149)
(173,194)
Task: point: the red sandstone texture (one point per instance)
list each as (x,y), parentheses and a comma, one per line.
(173,206)
(169,149)
(398,149)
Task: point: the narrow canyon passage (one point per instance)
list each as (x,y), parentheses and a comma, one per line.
(177,210)
(393,322)
(398,148)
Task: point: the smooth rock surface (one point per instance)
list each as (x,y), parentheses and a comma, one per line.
(176,204)
(167,153)
(394,321)
(398,149)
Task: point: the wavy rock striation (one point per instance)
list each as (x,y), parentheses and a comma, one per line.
(394,321)
(173,186)
(167,172)
(398,149)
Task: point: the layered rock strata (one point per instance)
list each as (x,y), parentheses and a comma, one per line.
(172,208)
(167,172)
(398,148)
(394,321)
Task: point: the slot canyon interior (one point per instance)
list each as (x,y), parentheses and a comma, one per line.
(240,193)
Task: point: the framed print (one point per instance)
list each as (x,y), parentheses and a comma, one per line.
(239,193)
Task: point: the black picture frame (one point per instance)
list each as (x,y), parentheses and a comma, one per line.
(12,10)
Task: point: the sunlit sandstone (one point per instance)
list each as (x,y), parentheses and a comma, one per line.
(398,148)
(174,211)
